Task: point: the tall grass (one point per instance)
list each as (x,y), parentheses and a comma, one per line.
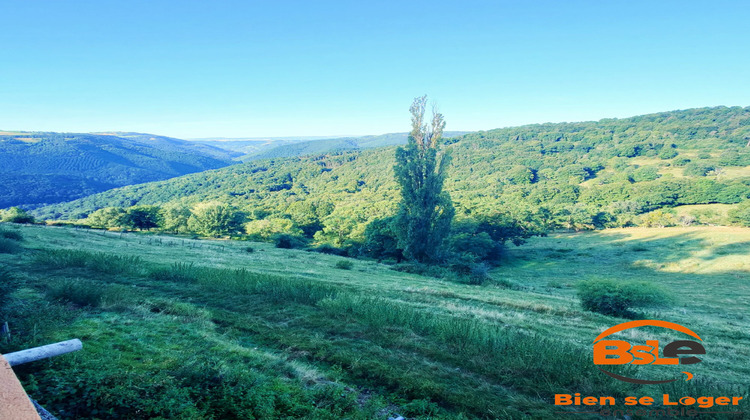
(531,362)
(177,272)
(9,246)
(11,234)
(244,281)
(7,286)
(85,293)
(78,292)
(100,262)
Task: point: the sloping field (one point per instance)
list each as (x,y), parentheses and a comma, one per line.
(183,328)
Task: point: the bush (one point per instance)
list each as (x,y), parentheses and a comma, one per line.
(467,272)
(696,169)
(646,173)
(473,246)
(330,250)
(667,153)
(249,249)
(741,214)
(615,298)
(421,269)
(682,161)
(16,215)
(9,246)
(286,241)
(344,265)
(659,218)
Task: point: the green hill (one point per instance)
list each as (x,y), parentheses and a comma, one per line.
(570,175)
(43,168)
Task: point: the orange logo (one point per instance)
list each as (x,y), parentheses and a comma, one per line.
(620,352)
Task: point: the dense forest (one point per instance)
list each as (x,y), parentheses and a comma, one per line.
(514,182)
(43,168)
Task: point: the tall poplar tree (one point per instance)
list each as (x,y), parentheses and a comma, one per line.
(425,212)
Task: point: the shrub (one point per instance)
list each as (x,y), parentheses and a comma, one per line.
(16,215)
(480,271)
(696,169)
(344,265)
(658,218)
(741,214)
(646,173)
(286,241)
(682,161)
(9,246)
(421,269)
(330,250)
(667,153)
(687,219)
(610,297)
(249,249)
(473,246)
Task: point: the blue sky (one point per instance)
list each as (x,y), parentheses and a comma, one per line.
(287,68)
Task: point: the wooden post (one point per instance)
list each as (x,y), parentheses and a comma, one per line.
(43,352)
(5,330)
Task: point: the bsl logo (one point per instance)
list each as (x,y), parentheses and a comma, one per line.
(620,352)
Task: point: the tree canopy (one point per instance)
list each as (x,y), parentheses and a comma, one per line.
(425,211)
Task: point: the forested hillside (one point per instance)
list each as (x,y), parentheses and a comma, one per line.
(43,168)
(585,175)
(334,145)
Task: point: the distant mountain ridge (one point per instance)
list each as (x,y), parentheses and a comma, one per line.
(333,145)
(244,146)
(38,168)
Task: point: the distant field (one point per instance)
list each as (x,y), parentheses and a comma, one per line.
(736,172)
(293,335)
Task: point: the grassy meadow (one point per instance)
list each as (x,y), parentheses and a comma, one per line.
(198,329)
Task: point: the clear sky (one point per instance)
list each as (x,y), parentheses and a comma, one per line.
(284,68)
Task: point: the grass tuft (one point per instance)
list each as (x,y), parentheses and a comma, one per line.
(619,298)
(178,272)
(78,292)
(344,265)
(9,246)
(11,234)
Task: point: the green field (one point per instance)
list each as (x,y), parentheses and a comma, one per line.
(192,329)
